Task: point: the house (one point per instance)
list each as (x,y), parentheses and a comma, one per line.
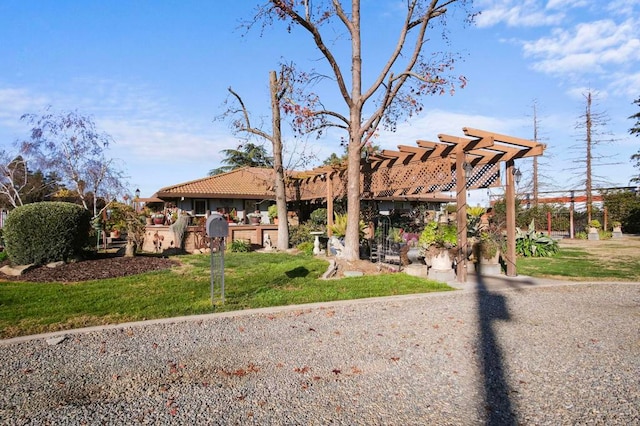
(242,191)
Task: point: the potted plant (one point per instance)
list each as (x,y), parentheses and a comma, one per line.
(117,229)
(594,227)
(617,226)
(395,239)
(255,218)
(487,250)
(436,241)
(158,218)
(273,213)
(233,216)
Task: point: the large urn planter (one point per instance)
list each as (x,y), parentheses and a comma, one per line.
(440,264)
(489,266)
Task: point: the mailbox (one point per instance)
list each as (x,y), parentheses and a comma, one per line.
(217,226)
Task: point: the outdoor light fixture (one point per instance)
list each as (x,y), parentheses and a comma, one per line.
(517,175)
(468,168)
(137,193)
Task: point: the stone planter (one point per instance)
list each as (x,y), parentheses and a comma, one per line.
(617,232)
(440,265)
(489,266)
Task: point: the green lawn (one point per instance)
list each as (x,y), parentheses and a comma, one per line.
(252,280)
(580,264)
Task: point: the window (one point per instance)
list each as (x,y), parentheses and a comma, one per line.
(200,207)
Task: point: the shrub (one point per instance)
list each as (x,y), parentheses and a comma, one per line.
(240,246)
(535,244)
(306,247)
(46,232)
(318,217)
(301,233)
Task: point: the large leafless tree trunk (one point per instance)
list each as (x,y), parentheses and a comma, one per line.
(276,140)
(397,88)
(277,89)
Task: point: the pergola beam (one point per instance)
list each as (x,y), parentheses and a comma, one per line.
(476,133)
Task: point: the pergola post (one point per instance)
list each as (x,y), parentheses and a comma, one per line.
(329,181)
(510,201)
(461,216)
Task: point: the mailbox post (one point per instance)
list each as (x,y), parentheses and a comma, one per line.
(217,230)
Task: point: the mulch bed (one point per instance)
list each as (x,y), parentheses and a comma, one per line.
(99,267)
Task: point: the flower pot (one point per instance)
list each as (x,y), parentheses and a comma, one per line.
(441,260)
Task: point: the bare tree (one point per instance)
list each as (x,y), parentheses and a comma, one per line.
(395,92)
(13,178)
(70,145)
(635,130)
(280,86)
(593,123)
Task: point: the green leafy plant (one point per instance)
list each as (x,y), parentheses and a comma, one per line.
(239,246)
(273,211)
(395,235)
(306,247)
(490,243)
(339,227)
(534,244)
(595,224)
(438,234)
(46,232)
(318,218)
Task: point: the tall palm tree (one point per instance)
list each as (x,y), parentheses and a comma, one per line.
(246,155)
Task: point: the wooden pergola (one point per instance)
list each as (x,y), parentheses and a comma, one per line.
(426,171)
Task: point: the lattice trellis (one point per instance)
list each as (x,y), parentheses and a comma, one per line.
(425,170)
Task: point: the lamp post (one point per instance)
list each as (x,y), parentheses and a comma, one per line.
(136,205)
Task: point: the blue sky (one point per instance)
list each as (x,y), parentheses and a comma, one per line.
(154,74)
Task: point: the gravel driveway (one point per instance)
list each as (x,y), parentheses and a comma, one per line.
(561,354)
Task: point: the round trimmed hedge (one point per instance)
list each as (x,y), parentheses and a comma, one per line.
(46,232)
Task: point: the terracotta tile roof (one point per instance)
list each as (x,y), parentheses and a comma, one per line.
(246,182)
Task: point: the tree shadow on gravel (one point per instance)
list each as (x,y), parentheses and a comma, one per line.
(492,307)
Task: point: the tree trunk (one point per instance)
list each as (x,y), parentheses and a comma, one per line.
(276,139)
(352,237)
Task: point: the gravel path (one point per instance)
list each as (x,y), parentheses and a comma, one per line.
(564,354)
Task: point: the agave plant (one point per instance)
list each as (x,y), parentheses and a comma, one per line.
(535,244)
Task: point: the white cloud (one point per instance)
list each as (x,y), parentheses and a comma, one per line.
(626,85)
(149,137)
(15,102)
(529,13)
(435,122)
(567,4)
(589,47)
(623,7)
